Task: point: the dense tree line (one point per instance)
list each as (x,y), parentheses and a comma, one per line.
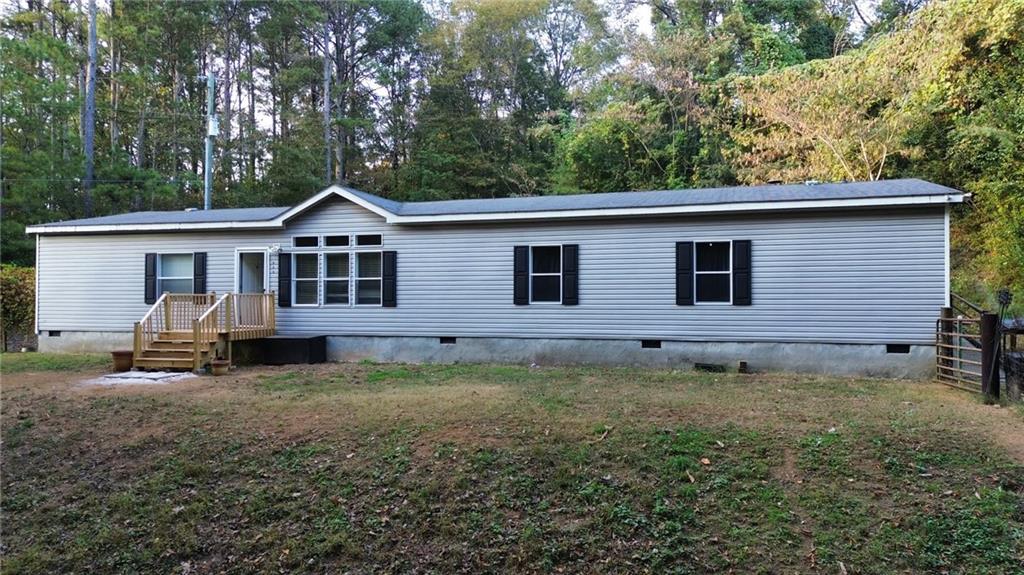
(481,98)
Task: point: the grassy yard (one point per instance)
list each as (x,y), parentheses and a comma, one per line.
(369,468)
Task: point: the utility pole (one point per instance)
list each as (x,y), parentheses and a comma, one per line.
(211,130)
(90,110)
(328,172)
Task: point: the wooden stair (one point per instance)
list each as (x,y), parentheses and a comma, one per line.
(172,350)
(185,331)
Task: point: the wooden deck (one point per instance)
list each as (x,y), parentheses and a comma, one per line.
(187,331)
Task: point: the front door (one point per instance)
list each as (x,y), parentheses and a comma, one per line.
(252,272)
(252,279)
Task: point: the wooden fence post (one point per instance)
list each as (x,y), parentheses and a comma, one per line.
(989,357)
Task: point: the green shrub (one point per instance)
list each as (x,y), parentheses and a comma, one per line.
(17,300)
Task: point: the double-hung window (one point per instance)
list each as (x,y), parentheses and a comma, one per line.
(712,274)
(368,278)
(545,274)
(174,273)
(334,270)
(305,278)
(336,278)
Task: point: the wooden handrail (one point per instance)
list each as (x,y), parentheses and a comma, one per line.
(207,317)
(159,303)
(206,329)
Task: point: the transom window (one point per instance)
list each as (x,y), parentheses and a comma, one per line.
(305,279)
(369,240)
(546,274)
(335,241)
(712,272)
(306,241)
(368,278)
(174,273)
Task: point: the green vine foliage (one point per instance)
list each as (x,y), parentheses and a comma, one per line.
(938,98)
(17,299)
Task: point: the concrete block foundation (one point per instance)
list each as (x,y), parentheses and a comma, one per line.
(835,359)
(84,341)
(824,358)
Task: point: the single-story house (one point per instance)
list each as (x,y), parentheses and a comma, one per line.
(824,277)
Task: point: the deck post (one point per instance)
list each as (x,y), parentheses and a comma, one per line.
(989,357)
(137,343)
(273,311)
(168,315)
(196,359)
(229,315)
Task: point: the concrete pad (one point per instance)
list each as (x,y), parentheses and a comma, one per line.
(140,378)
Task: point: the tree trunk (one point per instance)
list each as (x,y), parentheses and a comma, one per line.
(326,96)
(140,150)
(175,89)
(90,110)
(252,113)
(114,135)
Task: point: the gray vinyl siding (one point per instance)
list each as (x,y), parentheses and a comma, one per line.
(837,277)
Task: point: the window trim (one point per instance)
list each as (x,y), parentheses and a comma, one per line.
(347,278)
(295,279)
(160,267)
(357,278)
(266,266)
(696,246)
(530,273)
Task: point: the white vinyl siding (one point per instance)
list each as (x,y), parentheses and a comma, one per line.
(849,276)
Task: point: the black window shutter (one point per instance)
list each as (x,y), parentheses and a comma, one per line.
(199,272)
(741,292)
(521,275)
(284,279)
(150,278)
(570,274)
(389,277)
(684,273)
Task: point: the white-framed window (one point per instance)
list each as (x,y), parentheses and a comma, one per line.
(336,273)
(174,273)
(368,278)
(305,279)
(341,241)
(306,241)
(712,272)
(546,274)
(369,240)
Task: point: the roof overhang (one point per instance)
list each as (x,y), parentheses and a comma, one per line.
(484,217)
(736,207)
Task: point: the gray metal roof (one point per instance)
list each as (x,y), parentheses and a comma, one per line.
(178,217)
(664,198)
(605,201)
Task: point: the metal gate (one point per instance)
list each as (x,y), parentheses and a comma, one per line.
(958,352)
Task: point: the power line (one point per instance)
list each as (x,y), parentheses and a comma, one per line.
(98,180)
